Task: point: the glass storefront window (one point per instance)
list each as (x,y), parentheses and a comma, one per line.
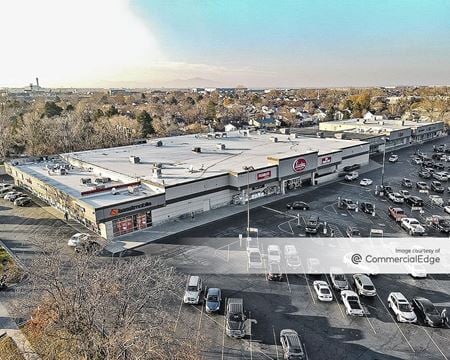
(128,224)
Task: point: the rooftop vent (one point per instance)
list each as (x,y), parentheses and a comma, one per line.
(159,143)
(114,191)
(135,159)
(220,146)
(274,139)
(197,149)
(133,189)
(157,172)
(86,181)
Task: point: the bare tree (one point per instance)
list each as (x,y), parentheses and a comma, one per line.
(86,307)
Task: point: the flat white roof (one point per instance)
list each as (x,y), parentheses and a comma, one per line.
(180,164)
(71,184)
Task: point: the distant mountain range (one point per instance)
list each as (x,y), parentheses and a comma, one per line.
(191,83)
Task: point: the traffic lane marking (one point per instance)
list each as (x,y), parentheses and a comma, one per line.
(437,346)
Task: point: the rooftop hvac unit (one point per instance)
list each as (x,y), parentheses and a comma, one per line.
(135,159)
(133,189)
(294,136)
(245,132)
(221,146)
(86,181)
(197,149)
(100,186)
(61,171)
(274,139)
(159,143)
(156,172)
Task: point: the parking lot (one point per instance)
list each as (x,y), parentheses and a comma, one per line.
(326,331)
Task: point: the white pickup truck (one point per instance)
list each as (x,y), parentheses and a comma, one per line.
(353,306)
(412,226)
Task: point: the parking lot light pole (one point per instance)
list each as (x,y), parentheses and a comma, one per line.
(384,160)
(248,169)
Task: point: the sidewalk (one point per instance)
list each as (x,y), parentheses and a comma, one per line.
(8,325)
(143,237)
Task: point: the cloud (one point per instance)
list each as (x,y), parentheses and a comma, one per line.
(72,43)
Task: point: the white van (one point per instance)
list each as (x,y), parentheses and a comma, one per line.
(194,288)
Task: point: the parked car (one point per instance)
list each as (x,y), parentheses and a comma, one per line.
(351,176)
(439,166)
(441,176)
(194,288)
(347,204)
(436,186)
(424,174)
(407,183)
(421,185)
(414,201)
(77,238)
(401,308)
(351,302)
(338,280)
(365,182)
(312,225)
(350,168)
(426,310)
(274,272)
(387,189)
(273,254)
(396,198)
(412,226)
(352,232)
(436,200)
(404,193)
(254,259)
(393,158)
(297,205)
(396,213)
(292,258)
(213,299)
(235,318)
(443,225)
(252,244)
(6,189)
(367,207)
(364,285)
(322,290)
(447,209)
(292,345)
(12,195)
(417,161)
(22,201)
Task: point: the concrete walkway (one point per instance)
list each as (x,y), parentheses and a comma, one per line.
(9,326)
(143,237)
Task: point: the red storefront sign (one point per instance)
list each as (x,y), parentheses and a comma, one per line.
(326,160)
(299,165)
(264,175)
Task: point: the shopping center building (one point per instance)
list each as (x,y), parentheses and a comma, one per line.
(119,190)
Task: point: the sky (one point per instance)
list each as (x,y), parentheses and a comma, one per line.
(255,43)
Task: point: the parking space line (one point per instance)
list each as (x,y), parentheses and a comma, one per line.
(275,340)
(199,325)
(279,212)
(223,335)
(307,284)
(251,347)
(287,280)
(426,332)
(365,315)
(398,326)
(335,296)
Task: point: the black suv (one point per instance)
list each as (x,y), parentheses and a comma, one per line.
(443,225)
(414,201)
(312,224)
(424,174)
(387,190)
(436,186)
(366,207)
